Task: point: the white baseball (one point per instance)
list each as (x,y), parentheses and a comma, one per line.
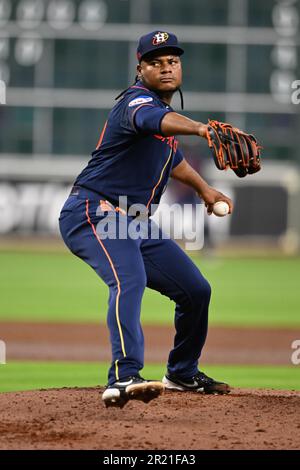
(220,208)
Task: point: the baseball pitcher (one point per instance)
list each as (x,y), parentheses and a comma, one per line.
(136,154)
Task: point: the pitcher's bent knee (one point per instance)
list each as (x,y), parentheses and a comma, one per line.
(134,283)
(200,293)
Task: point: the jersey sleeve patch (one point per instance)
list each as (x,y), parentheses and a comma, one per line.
(140,100)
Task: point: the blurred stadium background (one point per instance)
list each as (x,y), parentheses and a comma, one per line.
(62,62)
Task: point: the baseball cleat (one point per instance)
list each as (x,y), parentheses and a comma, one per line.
(198,383)
(131,388)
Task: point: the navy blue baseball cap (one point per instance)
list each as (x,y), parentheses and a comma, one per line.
(157,41)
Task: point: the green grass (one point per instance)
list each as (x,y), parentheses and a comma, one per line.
(16,376)
(60,287)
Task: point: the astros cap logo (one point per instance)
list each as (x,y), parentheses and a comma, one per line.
(160,38)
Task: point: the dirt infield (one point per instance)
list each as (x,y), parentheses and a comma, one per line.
(77,419)
(90,342)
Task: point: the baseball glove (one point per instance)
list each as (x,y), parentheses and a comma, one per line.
(233,148)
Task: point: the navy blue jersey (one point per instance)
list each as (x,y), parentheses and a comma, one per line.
(132,158)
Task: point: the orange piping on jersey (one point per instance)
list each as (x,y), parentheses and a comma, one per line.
(114,272)
(101,136)
(160,178)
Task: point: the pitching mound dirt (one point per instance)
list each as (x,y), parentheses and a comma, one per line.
(76,419)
